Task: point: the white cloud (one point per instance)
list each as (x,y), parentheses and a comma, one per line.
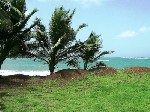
(43,0)
(97,2)
(144,29)
(133,33)
(82,2)
(90,2)
(127,34)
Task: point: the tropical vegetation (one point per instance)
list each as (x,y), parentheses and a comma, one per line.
(53,46)
(56,45)
(125,91)
(91,52)
(13,28)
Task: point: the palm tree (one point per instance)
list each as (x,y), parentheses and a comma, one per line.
(56,45)
(90,52)
(13,31)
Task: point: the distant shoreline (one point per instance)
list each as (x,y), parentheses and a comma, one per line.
(28,67)
(47,73)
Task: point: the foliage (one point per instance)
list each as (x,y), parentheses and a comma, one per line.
(90,51)
(13,30)
(57,44)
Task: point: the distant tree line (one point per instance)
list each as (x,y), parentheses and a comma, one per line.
(57,45)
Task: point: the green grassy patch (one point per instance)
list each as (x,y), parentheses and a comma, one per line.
(121,92)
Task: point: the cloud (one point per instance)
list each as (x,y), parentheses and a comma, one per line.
(81,2)
(90,2)
(144,29)
(43,1)
(133,33)
(127,34)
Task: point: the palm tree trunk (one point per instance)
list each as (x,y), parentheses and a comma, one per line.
(4,54)
(51,68)
(6,50)
(2,58)
(52,63)
(85,66)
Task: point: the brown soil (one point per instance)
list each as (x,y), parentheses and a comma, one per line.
(17,81)
(136,69)
(103,71)
(66,74)
(78,73)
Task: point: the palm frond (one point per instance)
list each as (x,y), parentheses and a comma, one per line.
(21,24)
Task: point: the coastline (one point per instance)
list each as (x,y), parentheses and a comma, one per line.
(41,73)
(26,66)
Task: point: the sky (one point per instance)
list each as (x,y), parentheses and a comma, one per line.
(124,25)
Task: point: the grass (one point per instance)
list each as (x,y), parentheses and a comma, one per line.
(121,92)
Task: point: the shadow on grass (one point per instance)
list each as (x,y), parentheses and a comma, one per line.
(2,106)
(18,80)
(13,81)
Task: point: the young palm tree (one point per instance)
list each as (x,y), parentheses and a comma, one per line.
(56,45)
(90,52)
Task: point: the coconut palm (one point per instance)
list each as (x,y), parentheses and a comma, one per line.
(13,30)
(90,52)
(56,45)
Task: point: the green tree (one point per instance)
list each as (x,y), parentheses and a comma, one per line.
(90,51)
(56,45)
(13,30)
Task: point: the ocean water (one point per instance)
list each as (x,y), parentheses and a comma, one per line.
(27,66)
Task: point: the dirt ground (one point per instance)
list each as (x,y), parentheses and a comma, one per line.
(66,74)
(103,71)
(136,69)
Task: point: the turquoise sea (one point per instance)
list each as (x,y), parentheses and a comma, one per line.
(28,66)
